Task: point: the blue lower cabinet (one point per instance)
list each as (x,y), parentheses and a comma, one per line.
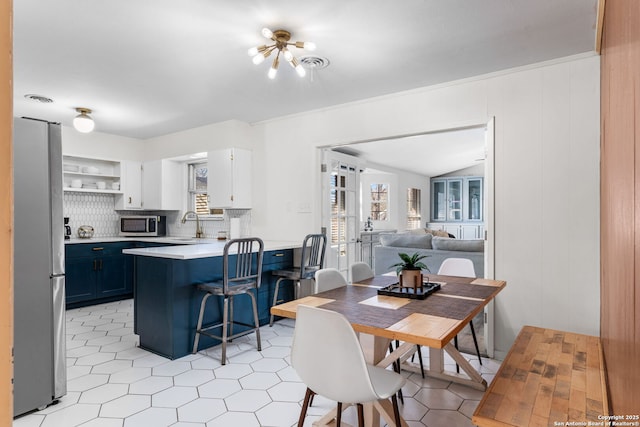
(280,261)
(99,272)
(167,301)
(80,280)
(96,273)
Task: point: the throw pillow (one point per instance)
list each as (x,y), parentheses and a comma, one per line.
(447,244)
(406,240)
(418,231)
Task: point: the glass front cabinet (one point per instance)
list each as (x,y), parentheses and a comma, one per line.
(447,200)
(457,205)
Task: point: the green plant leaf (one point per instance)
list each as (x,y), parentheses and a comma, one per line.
(410,262)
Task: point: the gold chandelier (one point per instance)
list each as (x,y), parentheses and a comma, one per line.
(281,42)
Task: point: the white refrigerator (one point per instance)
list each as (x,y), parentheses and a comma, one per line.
(39,307)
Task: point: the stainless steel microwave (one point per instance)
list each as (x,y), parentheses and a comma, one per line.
(143,225)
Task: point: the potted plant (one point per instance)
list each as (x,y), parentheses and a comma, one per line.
(409,270)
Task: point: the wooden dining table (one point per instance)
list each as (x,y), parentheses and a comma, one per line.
(432,322)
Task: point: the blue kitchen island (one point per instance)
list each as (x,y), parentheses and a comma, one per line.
(167,302)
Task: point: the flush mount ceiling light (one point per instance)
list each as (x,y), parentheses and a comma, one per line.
(83,121)
(281,42)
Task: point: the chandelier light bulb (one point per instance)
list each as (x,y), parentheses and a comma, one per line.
(280,44)
(258,59)
(274,68)
(83,122)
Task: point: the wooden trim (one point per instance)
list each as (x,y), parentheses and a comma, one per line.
(599,25)
(620,202)
(6,216)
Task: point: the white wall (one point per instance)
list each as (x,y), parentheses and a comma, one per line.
(101,145)
(546,171)
(227,134)
(399,182)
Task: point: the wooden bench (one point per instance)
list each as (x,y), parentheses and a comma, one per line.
(548,377)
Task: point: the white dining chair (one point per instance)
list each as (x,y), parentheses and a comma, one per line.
(461,267)
(360,271)
(327,279)
(327,356)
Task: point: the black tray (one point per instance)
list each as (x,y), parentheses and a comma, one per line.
(397,291)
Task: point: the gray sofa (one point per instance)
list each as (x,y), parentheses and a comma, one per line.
(437,248)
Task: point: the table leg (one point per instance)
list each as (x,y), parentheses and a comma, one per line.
(470,376)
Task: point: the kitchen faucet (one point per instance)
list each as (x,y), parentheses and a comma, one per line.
(199,233)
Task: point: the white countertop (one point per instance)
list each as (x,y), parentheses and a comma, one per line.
(180,240)
(188,247)
(202,250)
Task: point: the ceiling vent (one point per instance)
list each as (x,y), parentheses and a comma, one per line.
(38,98)
(314,62)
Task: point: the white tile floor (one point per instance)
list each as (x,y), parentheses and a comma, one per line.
(113,383)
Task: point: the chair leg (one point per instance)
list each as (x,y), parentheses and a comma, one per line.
(420,360)
(396,411)
(307,402)
(230,332)
(475,341)
(396,369)
(275,298)
(455,344)
(360,415)
(311,401)
(254,303)
(225,320)
(339,415)
(200,317)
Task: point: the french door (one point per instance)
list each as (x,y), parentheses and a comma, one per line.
(340,209)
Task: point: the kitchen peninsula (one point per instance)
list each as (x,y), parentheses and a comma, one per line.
(166,301)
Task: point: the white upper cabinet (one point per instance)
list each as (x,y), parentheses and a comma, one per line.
(131,186)
(229,184)
(162,185)
(91,175)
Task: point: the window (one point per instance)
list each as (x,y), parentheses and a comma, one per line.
(413,208)
(379,202)
(197,191)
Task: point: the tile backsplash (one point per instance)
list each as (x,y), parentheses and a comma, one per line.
(98,210)
(92,209)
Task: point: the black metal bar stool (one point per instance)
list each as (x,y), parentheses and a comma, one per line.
(239,255)
(312,260)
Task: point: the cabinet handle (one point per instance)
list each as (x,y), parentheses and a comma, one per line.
(100,265)
(95,265)
(129,200)
(97,249)
(278,254)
